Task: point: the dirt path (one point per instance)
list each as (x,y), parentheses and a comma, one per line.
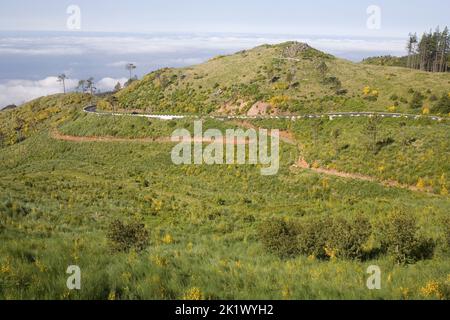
(289,138)
(302,164)
(285,136)
(55,134)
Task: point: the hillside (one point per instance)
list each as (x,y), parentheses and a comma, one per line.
(287,78)
(33,117)
(103,193)
(211,232)
(389,61)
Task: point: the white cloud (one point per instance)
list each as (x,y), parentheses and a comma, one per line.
(168,50)
(145,44)
(20,91)
(186,61)
(108,84)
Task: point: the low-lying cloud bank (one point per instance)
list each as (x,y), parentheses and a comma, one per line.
(150,44)
(102,54)
(20,91)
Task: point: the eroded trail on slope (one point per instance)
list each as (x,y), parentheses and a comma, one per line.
(288,137)
(55,134)
(285,136)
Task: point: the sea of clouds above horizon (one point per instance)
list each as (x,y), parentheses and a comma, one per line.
(30,61)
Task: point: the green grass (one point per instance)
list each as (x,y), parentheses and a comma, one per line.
(65,195)
(58,198)
(18,124)
(260,75)
(132,127)
(407,150)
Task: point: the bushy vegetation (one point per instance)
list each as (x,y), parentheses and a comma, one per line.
(204,222)
(279,237)
(306,80)
(341,238)
(124,237)
(226,232)
(407,151)
(312,236)
(347,237)
(18,124)
(322,238)
(401,239)
(389,61)
(442,106)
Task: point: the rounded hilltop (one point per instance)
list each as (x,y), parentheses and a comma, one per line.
(286,78)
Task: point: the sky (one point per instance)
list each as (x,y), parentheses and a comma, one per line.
(41,39)
(324,17)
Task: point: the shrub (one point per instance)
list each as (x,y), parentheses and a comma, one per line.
(104,105)
(279,101)
(14,210)
(443,105)
(333,82)
(341,92)
(394,97)
(347,237)
(416,101)
(322,238)
(279,237)
(124,237)
(436,290)
(312,237)
(401,239)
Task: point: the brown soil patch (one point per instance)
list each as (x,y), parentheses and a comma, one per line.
(55,134)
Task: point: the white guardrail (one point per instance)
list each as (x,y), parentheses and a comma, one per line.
(92,109)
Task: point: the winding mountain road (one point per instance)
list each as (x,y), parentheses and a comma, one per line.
(241,120)
(334,115)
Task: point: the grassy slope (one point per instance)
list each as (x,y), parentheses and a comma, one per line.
(418,150)
(247,75)
(58,198)
(409,150)
(18,124)
(391,61)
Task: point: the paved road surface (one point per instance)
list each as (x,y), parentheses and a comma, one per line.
(331,116)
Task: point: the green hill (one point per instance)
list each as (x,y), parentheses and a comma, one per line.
(140,227)
(290,77)
(35,116)
(389,61)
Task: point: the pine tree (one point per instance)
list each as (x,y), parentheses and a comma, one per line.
(409,47)
(431,53)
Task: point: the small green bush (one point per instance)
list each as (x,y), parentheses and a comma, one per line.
(347,237)
(312,237)
(394,97)
(14,210)
(333,82)
(401,239)
(442,106)
(279,237)
(322,238)
(124,237)
(416,101)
